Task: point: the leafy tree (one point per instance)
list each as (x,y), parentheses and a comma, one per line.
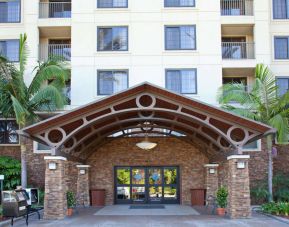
(23,102)
(260,103)
(11,169)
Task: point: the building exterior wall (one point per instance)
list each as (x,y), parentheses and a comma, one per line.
(169,152)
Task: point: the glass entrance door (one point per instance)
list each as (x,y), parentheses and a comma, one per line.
(146,185)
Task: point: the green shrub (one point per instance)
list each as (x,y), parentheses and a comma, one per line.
(279,208)
(11,169)
(222,195)
(71,202)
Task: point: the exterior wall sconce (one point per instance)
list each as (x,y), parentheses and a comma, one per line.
(82,171)
(52,165)
(211,171)
(241,165)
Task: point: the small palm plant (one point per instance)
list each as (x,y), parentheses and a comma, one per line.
(21,101)
(260,103)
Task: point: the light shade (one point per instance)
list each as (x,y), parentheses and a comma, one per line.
(146,145)
(52,165)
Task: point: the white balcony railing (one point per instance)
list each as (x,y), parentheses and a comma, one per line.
(237,7)
(238,50)
(54,9)
(61,51)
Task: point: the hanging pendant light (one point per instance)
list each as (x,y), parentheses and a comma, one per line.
(146,144)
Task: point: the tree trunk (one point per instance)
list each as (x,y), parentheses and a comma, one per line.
(270,168)
(23,164)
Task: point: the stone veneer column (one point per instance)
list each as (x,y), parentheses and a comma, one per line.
(239,202)
(55,203)
(212,179)
(83,197)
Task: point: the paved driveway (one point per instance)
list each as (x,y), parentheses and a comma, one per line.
(88,217)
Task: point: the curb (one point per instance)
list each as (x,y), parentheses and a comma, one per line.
(284,220)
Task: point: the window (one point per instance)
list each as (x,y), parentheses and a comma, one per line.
(179,3)
(10,11)
(8,134)
(112,39)
(283,85)
(281,9)
(182,81)
(110,82)
(254,146)
(10,49)
(41,148)
(112,4)
(281,47)
(180,37)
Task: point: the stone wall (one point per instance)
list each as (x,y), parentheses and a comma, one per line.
(170,152)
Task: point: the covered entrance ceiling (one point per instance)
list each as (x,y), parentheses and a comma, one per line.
(146,108)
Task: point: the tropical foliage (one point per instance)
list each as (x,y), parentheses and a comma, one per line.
(279,208)
(222,195)
(260,103)
(11,169)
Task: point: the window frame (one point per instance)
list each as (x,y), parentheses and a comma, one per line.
(5,40)
(20,15)
(179,26)
(179,6)
(259,147)
(275,53)
(183,69)
(111,27)
(110,70)
(287,11)
(10,144)
(37,151)
(282,77)
(113,7)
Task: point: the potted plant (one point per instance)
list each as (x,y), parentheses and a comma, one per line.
(71,202)
(222,195)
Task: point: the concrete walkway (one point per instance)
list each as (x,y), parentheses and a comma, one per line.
(87,217)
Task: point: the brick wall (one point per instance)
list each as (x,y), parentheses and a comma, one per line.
(170,152)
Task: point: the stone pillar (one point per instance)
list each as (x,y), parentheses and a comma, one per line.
(239,202)
(212,179)
(83,197)
(55,203)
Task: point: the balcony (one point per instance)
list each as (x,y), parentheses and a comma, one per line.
(237,7)
(238,50)
(61,51)
(55,10)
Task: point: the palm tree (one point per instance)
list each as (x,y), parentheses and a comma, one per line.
(260,103)
(23,102)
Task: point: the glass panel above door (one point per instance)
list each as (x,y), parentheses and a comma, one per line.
(170,175)
(155,176)
(138,176)
(123,176)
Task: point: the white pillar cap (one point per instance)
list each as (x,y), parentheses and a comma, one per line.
(83,166)
(55,158)
(238,157)
(211,165)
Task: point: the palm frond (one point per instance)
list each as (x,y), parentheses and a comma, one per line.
(280,122)
(23,53)
(20,111)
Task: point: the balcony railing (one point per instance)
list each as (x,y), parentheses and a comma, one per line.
(54,9)
(238,50)
(59,51)
(237,7)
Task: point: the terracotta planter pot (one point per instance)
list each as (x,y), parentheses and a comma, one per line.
(221,211)
(69,212)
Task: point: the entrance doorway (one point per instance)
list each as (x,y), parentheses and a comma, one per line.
(153,185)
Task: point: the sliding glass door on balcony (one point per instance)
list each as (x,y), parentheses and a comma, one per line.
(55,9)
(237,7)
(237,48)
(60,49)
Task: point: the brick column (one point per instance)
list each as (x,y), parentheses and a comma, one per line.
(83,185)
(212,179)
(239,202)
(55,203)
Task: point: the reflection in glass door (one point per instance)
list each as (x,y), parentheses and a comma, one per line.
(146,185)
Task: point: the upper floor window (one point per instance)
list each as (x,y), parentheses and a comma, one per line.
(281,9)
(111,81)
(10,11)
(283,85)
(112,4)
(8,134)
(253,146)
(180,37)
(179,3)
(112,39)
(10,49)
(281,46)
(183,81)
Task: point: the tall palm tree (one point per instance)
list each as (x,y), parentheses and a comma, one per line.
(23,102)
(262,103)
